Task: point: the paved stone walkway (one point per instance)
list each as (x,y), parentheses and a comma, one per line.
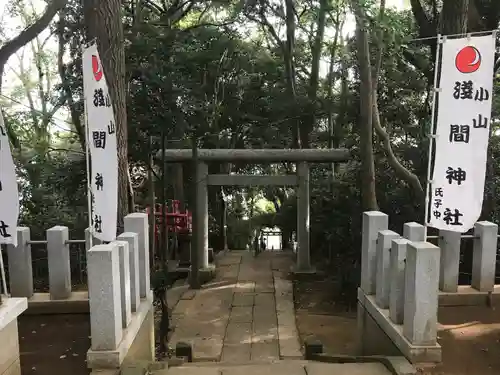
(295,367)
(245,314)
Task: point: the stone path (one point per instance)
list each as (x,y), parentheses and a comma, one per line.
(245,314)
(284,368)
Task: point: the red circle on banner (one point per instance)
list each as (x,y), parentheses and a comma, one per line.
(468,60)
(96,68)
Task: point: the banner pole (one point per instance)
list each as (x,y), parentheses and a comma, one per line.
(432,135)
(2,269)
(87,161)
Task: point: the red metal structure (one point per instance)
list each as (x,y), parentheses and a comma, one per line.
(177,221)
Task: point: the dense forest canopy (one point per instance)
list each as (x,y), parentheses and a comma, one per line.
(237,74)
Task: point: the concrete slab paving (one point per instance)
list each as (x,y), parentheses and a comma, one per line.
(296,367)
(235,317)
(192,371)
(274,369)
(243,299)
(238,333)
(346,369)
(241,314)
(239,353)
(265,350)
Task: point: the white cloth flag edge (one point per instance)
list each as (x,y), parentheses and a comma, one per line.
(9,186)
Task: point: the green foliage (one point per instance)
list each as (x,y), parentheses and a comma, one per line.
(213,68)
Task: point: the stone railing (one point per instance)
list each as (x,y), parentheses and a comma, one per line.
(61,298)
(482,289)
(121,301)
(119,296)
(401,279)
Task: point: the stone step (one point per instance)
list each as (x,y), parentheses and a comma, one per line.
(300,362)
(287,367)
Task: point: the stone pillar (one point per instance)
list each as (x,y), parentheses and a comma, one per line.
(9,335)
(59,262)
(303,220)
(373,222)
(138,223)
(414,232)
(103,267)
(123,252)
(20,266)
(421,293)
(449,243)
(90,240)
(133,245)
(397,275)
(383,282)
(484,256)
(202,207)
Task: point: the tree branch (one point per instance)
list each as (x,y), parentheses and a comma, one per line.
(25,36)
(424,24)
(392,159)
(264,22)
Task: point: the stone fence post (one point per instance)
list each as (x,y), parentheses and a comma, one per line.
(126,306)
(397,275)
(484,256)
(103,267)
(383,281)
(449,243)
(138,223)
(373,222)
(421,293)
(90,240)
(20,265)
(414,232)
(133,243)
(59,263)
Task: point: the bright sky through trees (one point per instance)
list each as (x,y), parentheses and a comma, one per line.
(12,25)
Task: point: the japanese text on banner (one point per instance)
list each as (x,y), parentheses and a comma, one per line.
(103,148)
(462,132)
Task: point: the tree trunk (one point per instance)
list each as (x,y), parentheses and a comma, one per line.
(340,122)
(104,23)
(61,67)
(333,125)
(312,92)
(288,57)
(368,192)
(454,17)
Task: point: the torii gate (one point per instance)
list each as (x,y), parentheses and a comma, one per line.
(302,157)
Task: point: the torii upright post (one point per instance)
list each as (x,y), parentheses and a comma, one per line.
(194,278)
(303,213)
(202,217)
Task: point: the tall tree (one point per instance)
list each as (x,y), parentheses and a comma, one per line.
(312,92)
(454,17)
(103,22)
(368,192)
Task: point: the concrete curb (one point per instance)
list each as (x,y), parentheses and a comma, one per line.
(396,365)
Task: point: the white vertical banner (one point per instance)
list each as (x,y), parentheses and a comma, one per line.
(462,132)
(101,136)
(9,193)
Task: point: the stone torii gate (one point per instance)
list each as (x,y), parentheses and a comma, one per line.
(302,157)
